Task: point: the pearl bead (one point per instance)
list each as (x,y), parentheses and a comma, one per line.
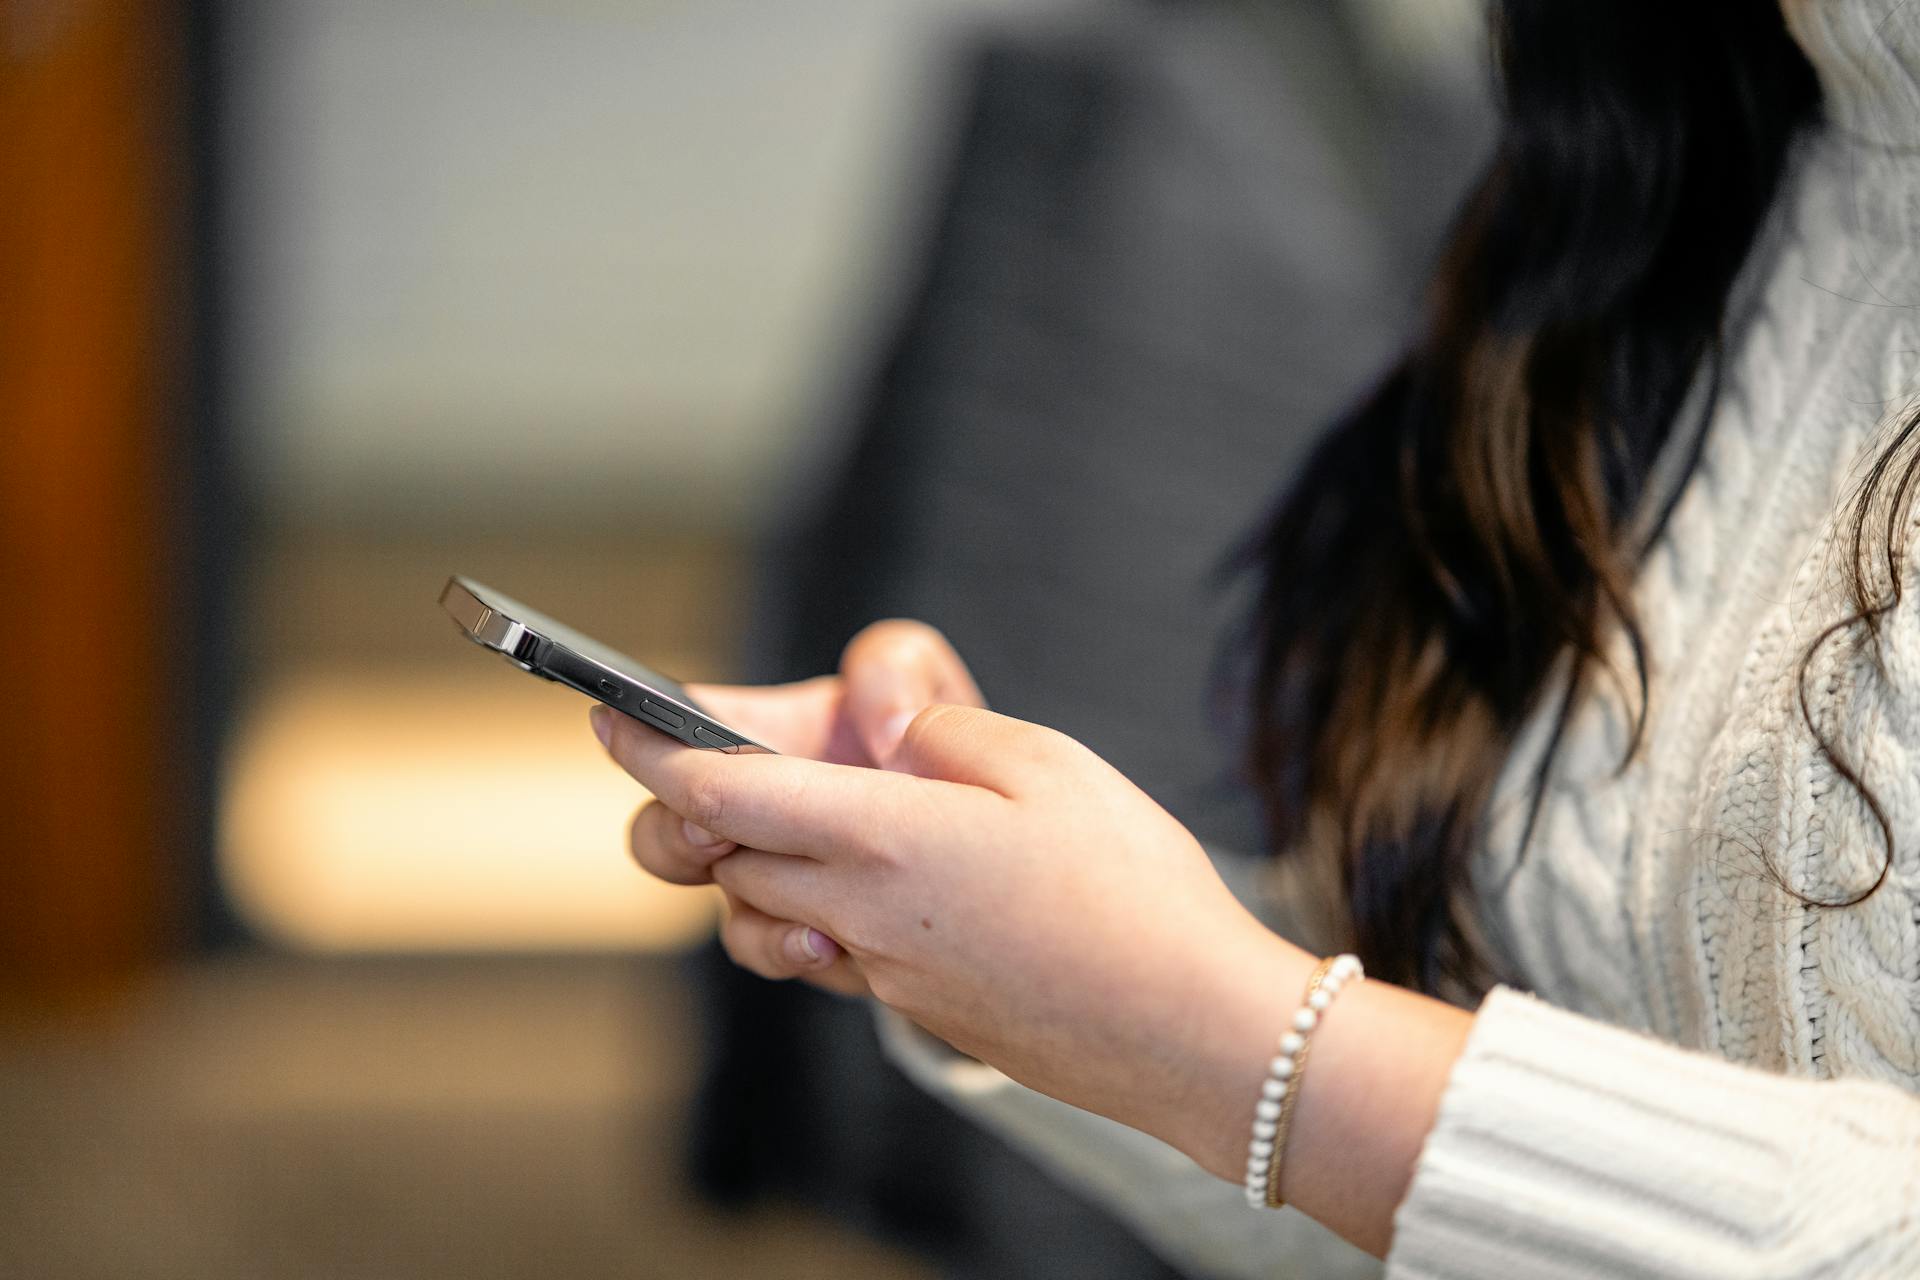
(1282,1069)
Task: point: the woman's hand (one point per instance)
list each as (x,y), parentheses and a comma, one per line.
(888,673)
(1009,891)
(1003,887)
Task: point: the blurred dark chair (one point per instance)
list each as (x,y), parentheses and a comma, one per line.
(1172,242)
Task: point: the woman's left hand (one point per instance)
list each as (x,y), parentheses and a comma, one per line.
(1009,891)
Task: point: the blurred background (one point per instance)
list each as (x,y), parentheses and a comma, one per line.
(717,329)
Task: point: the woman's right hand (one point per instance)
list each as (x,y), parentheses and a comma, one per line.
(889,673)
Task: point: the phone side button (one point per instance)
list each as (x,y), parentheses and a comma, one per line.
(610,689)
(714,740)
(661,714)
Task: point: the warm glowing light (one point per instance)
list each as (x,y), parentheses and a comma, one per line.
(439,813)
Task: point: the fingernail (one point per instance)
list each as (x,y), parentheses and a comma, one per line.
(602,721)
(814,946)
(701,838)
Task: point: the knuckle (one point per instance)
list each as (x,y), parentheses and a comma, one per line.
(892,632)
(905,642)
(913,633)
(706,802)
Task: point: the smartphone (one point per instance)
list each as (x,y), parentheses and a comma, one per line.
(536,643)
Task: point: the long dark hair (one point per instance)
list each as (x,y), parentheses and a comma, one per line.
(1446,565)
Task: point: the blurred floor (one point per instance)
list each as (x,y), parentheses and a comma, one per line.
(262,1116)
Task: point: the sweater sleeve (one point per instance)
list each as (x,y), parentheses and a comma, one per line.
(1569,1148)
(1195,1221)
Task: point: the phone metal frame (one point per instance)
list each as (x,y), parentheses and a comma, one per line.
(537,644)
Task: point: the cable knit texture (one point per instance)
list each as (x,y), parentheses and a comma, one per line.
(1718,1080)
(1654,899)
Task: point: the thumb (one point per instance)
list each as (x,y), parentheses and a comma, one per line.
(891,672)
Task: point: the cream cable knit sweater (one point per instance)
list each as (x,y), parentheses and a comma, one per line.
(1716,1080)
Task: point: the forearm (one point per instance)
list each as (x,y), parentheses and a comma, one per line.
(1376,1072)
(1566,1147)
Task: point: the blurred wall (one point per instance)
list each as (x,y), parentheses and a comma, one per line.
(90,339)
(552,294)
(578,254)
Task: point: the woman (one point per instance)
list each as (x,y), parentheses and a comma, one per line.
(1583,661)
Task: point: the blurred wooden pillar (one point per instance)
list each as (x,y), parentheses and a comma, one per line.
(90,228)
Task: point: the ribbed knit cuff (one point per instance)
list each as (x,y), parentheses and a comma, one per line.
(1569,1148)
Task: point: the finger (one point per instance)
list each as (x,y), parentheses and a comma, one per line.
(842,976)
(671,848)
(786,803)
(978,748)
(774,948)
(801,719)
(784,887)
(893,669)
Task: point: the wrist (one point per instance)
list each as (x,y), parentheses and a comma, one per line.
(1362,1115)
(1251,987)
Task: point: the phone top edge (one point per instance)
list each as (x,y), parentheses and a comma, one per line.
(480,620)
(548,652)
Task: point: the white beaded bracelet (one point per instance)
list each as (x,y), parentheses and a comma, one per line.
(1273,1113)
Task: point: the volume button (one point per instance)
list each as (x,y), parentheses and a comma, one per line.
(661,714)
(714,740)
